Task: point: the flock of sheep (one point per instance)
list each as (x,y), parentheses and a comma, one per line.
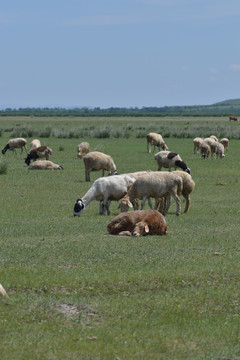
(129,188)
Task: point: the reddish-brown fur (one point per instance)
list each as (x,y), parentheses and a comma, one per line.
(234,118)
(139,222)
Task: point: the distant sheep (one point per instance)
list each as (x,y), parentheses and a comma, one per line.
(214,137)
(170,160)
(155,140)
(136,223)
(197,143)
(84,147)
(98,161)
(205,150)
(13,144)
(218,149)
(156,185)
(104,189)
(44,165)
(35,144)
(39,152)
(225,142)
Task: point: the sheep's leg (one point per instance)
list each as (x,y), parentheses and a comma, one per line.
(148,147)
(187,198)
(106,204)
(102,173)
(167,204)
(87,175)
(143,202)
(178,202)
(101,207)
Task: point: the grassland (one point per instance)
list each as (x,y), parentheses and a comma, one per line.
(75,292)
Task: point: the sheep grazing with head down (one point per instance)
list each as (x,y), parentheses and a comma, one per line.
(205,150)
(155,185)
(34,144)
(104,189)
(84,147)
(218,149)
(225,142)
(39,152)
(13,144)
(170,160)
(136,223)
(44,165)
(155,140)
(197,143)
(98,161)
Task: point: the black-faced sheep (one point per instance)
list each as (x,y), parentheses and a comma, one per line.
(104,189)
(13,144)
(98,161)
(84,147)
(155,140)
(40,152)
(170,160)
(136,223)
(44,165)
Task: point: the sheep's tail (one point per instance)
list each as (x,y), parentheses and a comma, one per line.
(3,291)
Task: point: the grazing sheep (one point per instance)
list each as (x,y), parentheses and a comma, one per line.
(218,149)
(35,144)
(84,147)
(205,150)
(155,185)
(39,152)
(3,291)
(104,189)
(225,142)
(155,140)
(197,143)
(169,159)
(99,161)
(187,187)
(214,137)
(136,223)
(18,143)
(44,165)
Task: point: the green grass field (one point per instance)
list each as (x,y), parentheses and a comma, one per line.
(76,292)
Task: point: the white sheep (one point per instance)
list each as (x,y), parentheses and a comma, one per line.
(44,165)
(155,185)
(197,143)
(3,291)
(34,144)
(205,150)
(39,152)
(187,186)
(104,189)
(218,149)
(225,142)
(155,140)
(214,137)
(98,161)
(84,147)
(13,144)
(170,160)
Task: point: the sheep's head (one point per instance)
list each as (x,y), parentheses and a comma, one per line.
(60,167)
(141,228)
(124,205)
(78,207)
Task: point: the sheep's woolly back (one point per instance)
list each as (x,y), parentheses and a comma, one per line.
(44,165)
(35,144)
(99,161)
(17,143)
(188,183)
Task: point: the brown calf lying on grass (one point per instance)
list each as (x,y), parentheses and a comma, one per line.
(139,222)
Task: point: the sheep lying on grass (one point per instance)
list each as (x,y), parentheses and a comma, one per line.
(170,160)
(155,185)
(13,144)
(155,140)
(44,165)
(35,144)
(84,147)
(136,223)
(104,189)
(98,161)
(39,152)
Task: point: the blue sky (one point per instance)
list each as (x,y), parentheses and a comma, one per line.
(121,53)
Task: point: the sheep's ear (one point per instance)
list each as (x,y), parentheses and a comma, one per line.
(146,229)
(129,204)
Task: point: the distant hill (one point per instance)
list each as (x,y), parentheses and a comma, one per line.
(222,108)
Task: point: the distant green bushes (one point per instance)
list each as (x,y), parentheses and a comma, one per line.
(185,130)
